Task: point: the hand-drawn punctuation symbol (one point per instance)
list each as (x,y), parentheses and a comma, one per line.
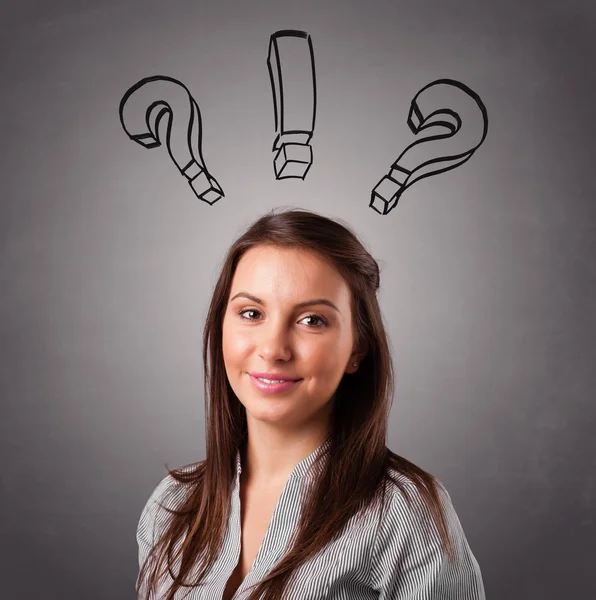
(291,64)
(446,104)
(141,110)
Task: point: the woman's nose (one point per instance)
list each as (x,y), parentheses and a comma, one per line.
(274,343)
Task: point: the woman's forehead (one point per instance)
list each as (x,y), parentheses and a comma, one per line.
(292,273)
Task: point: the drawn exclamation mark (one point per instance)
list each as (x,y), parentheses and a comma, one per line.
(291,64)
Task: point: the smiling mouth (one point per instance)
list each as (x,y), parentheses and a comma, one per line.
(276,380)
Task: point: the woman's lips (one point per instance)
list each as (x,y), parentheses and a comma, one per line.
(273,388)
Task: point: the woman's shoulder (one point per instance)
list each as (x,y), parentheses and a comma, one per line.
(405,489)
(408,506)
(408,545)
(401,480)
(160,490)
(167,492)
(153,503)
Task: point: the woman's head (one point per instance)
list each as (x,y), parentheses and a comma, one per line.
(268,328)
(287,257)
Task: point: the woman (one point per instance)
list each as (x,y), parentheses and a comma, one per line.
(298,496)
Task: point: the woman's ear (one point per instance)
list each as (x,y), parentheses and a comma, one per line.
(355,360)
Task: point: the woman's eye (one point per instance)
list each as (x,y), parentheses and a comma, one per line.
(252,310)
(320,319)
(241,313)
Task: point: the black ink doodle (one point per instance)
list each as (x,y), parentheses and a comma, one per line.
(455,109)
(141,110)
(291,64)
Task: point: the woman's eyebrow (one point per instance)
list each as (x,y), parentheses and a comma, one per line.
(299,305)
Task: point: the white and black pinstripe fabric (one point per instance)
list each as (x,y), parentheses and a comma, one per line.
(401,560)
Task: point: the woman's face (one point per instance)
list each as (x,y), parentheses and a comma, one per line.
(312,343)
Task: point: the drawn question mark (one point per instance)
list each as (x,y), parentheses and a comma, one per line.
(457,122)
(291,64)
(141,110)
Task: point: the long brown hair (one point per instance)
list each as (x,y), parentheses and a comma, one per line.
(359,463)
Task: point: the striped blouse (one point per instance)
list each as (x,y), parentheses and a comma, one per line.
(398,560)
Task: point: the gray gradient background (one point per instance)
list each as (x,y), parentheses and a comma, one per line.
(108,261)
